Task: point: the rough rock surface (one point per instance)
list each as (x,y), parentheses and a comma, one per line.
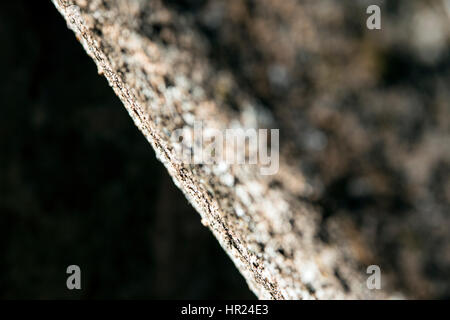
(277,229)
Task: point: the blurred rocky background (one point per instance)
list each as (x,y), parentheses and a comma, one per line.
(364,113)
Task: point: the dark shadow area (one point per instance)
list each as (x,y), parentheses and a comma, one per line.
(79,184)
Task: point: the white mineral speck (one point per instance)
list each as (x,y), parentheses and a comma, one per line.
(221,168)
(227,179)
(239,211)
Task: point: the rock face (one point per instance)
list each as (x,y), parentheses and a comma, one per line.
(362,163)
